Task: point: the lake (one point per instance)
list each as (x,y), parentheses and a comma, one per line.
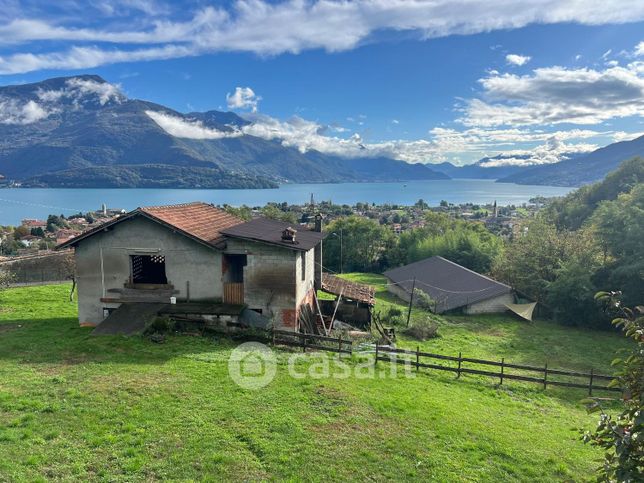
(16,203)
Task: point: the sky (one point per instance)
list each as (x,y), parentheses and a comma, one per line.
(534,81)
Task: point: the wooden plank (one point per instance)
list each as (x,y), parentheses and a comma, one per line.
(234,293)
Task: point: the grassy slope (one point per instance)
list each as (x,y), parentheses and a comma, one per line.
(75,406)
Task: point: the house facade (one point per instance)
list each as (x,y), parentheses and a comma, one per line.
(195,253)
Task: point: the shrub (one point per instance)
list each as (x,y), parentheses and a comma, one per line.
(422,330)
(423,300)
(160,325)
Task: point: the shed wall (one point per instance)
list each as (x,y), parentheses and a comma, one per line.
(185,259)
(491,306)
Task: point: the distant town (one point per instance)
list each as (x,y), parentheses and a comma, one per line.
(40,236)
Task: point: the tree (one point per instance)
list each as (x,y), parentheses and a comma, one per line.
(622,438)
(365,244)
(20,231)
(38,231)
(534,262)
(620,230)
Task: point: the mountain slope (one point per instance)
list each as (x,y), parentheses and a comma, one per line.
(82,131)
(581,170)
(478,170)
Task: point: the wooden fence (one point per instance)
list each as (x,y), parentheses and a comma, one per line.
(311,341)
(545,373)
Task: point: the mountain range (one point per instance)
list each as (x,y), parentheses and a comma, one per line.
(582,169)
(83,132)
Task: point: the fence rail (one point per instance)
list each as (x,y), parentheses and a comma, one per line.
(584,380)
(312,341)
(387,354)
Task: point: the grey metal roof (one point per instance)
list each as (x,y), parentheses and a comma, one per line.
(449,284)
(269,231)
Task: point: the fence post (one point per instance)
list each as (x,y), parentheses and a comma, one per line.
(590,383)
(545,377)
(417,358)
(273,333)
(458,371)
(340,345)
(502,368)
(375,361)
(304,344)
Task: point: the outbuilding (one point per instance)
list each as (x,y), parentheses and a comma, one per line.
(450,286)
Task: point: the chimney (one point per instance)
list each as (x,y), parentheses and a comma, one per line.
(318,223)
(288,235)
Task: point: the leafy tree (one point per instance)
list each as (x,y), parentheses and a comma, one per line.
(38,231)
(622,438)
(573,210)
(552,267)
(275,213)
(365,244)
(244,212)
(620,230)
(20,231)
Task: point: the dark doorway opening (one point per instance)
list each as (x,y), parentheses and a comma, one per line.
(233,268)
(148,269)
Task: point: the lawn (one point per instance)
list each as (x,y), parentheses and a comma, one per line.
(73,406)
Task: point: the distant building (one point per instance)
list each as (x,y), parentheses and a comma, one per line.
(33,223)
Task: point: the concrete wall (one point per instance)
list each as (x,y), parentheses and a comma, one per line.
(490,306)
(53,267)
(273,280)
(185,259)
(398,291)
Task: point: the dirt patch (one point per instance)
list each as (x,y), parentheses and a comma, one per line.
(9,327)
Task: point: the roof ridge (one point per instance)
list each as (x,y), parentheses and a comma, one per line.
(177,205)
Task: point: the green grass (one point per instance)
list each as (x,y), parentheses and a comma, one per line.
(77,407)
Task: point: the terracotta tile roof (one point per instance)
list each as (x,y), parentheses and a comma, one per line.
(350,290)
(200,220)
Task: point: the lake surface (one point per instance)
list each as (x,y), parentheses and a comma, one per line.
(16,203)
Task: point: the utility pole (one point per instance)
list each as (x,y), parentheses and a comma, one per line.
(411,300)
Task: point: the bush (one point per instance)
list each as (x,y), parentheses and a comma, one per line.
(423,300)
(422,330)
(393,316)
(160,325)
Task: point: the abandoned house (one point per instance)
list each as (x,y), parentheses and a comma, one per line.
(207,261)
(450,286)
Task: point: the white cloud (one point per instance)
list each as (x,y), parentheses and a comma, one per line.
(80,90)
(103,90)
(185,128)
(552,151)
(14,112)
(516,59)
(626,136)
(639,49)
(288,26)
(555,95)
(243,98)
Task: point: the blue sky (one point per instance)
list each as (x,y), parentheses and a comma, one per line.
(538,80)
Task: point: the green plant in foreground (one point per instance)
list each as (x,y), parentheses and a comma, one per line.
(622,437)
